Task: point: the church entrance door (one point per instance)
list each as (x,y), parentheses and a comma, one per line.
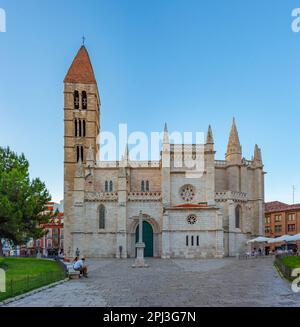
(147,238)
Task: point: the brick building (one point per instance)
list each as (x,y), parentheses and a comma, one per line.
(281,219)
(52,242)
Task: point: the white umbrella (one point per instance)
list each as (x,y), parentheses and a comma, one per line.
(293,238)
(259,239)
(278,239)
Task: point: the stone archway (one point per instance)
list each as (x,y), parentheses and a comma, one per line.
(131,235)
(147,238)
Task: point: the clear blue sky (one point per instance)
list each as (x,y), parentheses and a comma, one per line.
(189,63)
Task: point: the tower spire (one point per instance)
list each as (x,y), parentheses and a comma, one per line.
(125,157)
(166,135)
(126,153)
(257,155)
(234,149)
(209,137)
(81,69)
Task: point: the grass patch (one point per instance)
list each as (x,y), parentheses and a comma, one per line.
(26,274)
(291,262)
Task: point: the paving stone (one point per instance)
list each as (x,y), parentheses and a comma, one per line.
(224,282)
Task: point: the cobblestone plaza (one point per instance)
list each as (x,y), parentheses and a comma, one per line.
(215,282)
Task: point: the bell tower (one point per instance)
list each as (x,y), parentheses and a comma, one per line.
(81,128)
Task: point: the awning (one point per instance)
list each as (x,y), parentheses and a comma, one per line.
(278,239)
(259,239)
(293,238)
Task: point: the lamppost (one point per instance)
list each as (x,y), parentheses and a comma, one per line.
(140,246)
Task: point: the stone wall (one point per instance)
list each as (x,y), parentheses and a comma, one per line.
(203,234)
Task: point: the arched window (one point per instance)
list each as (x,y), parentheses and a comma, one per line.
(197,240)
(82,153)
(84,100)
(110,186)
(101,217)
(237,217)
(143,186)
(79,121)
(76,99)
(106,186)
(83,128)
(192,240)
(75,127)
(147,186)
(77,150)
(187,240)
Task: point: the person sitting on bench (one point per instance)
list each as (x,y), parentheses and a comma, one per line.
(81,267)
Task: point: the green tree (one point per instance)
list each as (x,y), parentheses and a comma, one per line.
(22,200)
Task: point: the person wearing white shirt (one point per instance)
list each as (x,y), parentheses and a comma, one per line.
(80,266)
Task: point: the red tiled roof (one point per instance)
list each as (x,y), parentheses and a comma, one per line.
(280,206)
(81,70)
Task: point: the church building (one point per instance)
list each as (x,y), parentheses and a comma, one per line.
(208,216)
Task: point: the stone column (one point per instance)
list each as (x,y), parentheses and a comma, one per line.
(78,224)
(122,215)
(140,246)
(219,235)
(165,237)
(210,173)
(231,235)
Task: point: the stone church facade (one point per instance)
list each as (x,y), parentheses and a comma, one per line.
(212,215)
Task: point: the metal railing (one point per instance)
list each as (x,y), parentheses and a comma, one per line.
(22,284)
(285,270)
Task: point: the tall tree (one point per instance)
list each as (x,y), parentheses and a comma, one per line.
(22,200)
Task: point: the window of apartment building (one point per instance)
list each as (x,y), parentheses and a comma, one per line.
(277,218)
(55,237)
(291,216)
(278,229)
(291,227)
(268,220)
(268,230)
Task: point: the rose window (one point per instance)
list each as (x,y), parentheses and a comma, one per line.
(187,193)
(191,219)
